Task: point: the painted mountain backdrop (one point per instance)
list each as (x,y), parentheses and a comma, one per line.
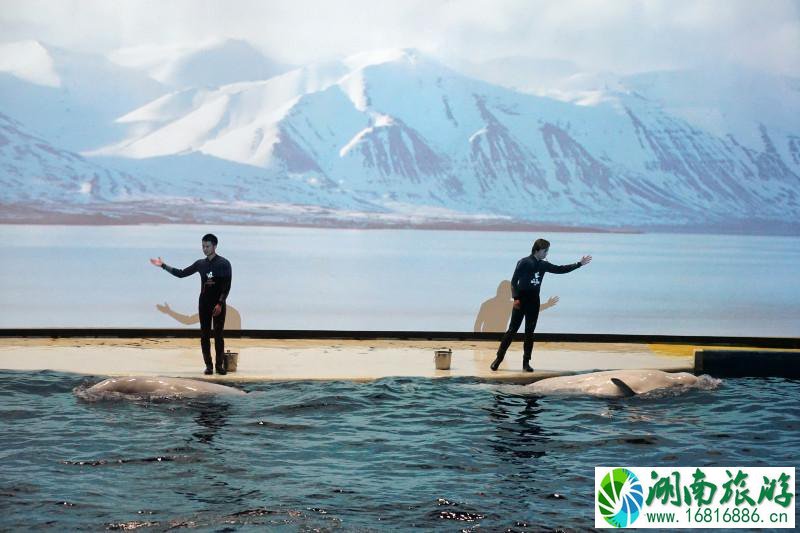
(220,133)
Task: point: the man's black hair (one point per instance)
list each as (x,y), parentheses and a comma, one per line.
(210,237)
(540,244)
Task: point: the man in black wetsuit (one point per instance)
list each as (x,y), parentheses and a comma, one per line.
(525,285)
(215,284)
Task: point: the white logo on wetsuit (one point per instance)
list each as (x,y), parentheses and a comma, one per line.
(536,279)
(210,275)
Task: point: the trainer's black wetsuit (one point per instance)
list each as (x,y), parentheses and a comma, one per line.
(525,285)
(215,284)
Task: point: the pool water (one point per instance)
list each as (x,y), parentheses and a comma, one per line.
(390,454)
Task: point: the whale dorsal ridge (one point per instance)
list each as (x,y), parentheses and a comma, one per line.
(626,390)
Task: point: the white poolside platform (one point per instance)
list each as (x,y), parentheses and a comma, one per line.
(312,359)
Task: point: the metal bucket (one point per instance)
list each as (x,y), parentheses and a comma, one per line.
(231,360)
(442,359)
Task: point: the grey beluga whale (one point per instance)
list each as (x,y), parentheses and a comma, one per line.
(162,386)
(614,383)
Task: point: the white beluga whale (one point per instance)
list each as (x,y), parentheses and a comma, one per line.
(614,383)
(160,387)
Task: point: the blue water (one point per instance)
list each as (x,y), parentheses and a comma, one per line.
(296,278)
(392,454)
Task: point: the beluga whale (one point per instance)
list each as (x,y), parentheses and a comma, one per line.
(616,383)
(157,386)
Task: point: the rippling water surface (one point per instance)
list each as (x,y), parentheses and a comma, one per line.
(390,454)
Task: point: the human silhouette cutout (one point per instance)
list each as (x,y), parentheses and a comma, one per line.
(233,320)
(495,312)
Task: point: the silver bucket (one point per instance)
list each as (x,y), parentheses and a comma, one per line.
(442,359)
(231,360)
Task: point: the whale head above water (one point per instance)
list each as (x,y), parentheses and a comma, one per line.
(614,383)
(161,386)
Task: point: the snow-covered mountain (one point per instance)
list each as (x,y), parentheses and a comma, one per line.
(178,121)
(71,99)
(725,100)
(41,181)
(33,171)
(74,99)
(213,63)
(395,134)
(732,102)
(400,128)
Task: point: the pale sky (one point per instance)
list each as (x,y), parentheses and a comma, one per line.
(622,36)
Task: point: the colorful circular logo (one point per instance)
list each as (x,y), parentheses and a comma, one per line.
(620,497)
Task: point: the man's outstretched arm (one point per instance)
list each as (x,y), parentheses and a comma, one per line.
(177,272)
(563,269)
